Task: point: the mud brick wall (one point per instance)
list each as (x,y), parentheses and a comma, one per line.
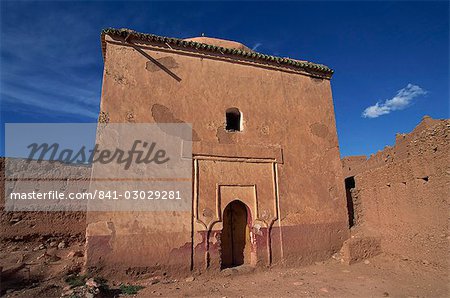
(24,226)
(402,193)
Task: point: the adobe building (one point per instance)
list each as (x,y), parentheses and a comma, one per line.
(267,177)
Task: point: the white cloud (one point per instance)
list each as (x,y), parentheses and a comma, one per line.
(400,101)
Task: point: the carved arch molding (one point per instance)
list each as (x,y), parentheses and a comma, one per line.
(221,180)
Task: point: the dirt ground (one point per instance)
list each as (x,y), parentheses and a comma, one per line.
(383,276)
(31,271)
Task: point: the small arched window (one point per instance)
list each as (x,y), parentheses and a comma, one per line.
(233,120)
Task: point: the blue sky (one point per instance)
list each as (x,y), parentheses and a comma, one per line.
(391,59)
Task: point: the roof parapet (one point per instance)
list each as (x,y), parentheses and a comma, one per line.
(309,67)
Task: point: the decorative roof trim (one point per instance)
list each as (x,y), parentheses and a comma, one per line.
(126,34)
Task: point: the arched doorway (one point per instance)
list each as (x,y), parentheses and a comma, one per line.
(235,239)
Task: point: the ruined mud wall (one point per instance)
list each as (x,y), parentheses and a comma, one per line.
(401,194)
(28,226)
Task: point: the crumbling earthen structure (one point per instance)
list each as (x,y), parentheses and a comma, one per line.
(399,198)
(265,155)
(25,226)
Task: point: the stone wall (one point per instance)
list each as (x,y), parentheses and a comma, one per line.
(401,194)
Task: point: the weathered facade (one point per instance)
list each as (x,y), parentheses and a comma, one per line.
(265,156)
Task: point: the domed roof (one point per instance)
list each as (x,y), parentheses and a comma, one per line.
(220,43)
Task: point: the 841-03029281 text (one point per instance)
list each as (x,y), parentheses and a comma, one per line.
(140,194)
(99,195)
